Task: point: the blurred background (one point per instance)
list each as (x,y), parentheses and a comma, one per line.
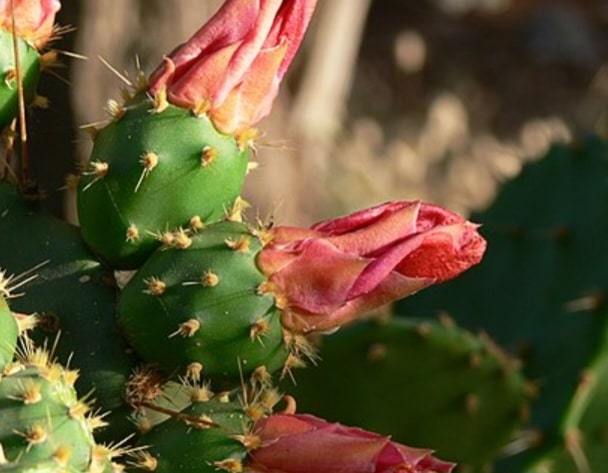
(439,100)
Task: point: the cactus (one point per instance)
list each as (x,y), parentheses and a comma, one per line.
(30,69)
(152,171)
(543,230)
(184,356)
(203,437)
(60,265)
(197,305)
(43,419)
(434,379)
(9,331)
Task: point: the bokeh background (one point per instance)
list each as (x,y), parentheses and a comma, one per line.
(439,100)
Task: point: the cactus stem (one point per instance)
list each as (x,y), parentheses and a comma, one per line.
(230,464)
(208,155)
(148,161)
(187,329)
(132,234)
(154,286)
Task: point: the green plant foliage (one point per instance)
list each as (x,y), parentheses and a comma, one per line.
(540,290)
(422,382)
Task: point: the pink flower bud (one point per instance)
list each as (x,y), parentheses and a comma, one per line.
(34,19)
(337,270)
(232,67)
(296,443)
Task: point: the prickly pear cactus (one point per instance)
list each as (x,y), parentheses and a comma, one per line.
(434,380)
(540,290)
(44,422)
(9,331)
(152,171)
(196,306)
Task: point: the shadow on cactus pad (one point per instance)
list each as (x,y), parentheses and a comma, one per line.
(541,291)
(428,384)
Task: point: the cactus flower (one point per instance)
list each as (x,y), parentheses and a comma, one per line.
(34,19)
(232,66)
(300,443)
(326,276)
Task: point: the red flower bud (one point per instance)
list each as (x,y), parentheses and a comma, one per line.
(232,67)
(296,443)
(337,270)
(34,19)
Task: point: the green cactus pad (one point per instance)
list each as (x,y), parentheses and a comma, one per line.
(42,418)
(71,295)
(200,440)
(151,172)
(9,332)
(426,384)
(540,291)
(30,70)
(585,430)
(201,306)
